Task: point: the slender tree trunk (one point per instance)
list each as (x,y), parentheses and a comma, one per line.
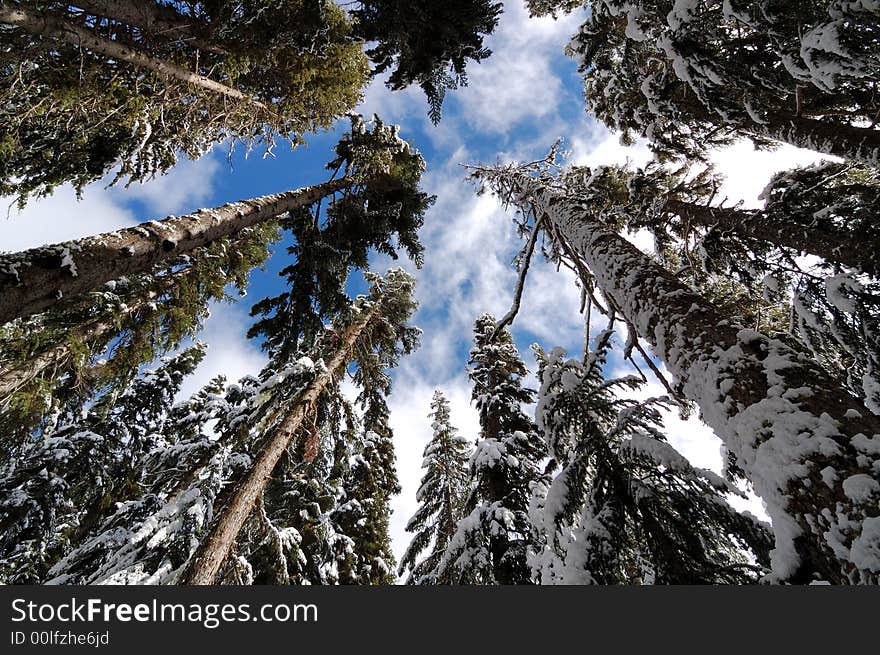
(215,546)
(12,379)
(34,280)
(807,446)
(63,30)
(57,356)
(831,245)
(152,18)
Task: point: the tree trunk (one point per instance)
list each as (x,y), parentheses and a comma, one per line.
(845,141)
(63,30)
(54,357)
(34,280)
(14,378)
(216,544)
(808,448)
(152,18)
(831,245)
(144,14)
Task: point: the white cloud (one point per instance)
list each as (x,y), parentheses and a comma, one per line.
(747,171)
(190,183)
(229,352)
(61,217)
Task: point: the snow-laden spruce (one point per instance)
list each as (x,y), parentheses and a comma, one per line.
(690,75)
(492,541)
(374,333)
(62,486)
(441,498)
(780,415)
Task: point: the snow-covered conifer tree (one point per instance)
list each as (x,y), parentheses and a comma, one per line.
(806,445)
(692,75)
(623,506)
(66,483)
(492,540)
(441,496)
(374,331)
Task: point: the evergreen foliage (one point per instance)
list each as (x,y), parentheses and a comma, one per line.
(623,506)
(441,496)
(71,114)
(426,43)
(491,543)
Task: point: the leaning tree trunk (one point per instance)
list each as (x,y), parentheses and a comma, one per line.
(63,30)
(34,280)
(216,544)
(154,19)
(836,246)
(848,142)
(811,450)
(60,355)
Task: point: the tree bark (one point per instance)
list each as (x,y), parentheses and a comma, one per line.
(216,544)
(831,245)
(63,30)
(808,448)
(845,141)
(152,18)
(848,142)
(144,14)
(34,280)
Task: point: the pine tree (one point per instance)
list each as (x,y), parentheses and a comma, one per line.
(376,327)
(442,496)
(364,511)
(61,354)
(65,483)
(380,168)
(624,506)
(491,543)
(692,76)
(90,85)
(803,442)
(62,357)
(147,538)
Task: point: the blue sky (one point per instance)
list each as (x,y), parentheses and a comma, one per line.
(518,102)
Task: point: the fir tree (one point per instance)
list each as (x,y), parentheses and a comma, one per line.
(88,86)
(692,76)
(426,43)
(66,482)
(374,329)
(63,357)
(782,418)
(442,496)
(624,507)
(491,543)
